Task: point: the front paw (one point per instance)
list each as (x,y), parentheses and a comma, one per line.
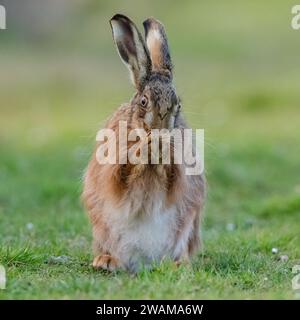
(106,262)
(183,260)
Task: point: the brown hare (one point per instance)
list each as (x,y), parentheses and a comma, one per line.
(142,213)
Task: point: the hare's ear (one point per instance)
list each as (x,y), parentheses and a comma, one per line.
(132,49)
(157,44)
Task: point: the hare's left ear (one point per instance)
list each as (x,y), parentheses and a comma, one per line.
(132,49)
(157,44)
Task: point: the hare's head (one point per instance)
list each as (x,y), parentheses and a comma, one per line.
(150,68)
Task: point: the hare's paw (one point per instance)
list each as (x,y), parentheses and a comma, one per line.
(106,262)
(183,260)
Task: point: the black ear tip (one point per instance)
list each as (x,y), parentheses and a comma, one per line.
(146,25)
(151,21)
(118,17)
(148,22)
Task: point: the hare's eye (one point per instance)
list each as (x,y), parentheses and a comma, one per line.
(144,101)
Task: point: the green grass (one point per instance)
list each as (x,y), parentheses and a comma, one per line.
(43,189)
(237,81)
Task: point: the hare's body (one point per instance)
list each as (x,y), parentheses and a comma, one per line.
(142,213)
(144,231)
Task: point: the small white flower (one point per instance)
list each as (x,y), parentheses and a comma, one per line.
(284,258)
(274,250)
(29,226)
(230,227)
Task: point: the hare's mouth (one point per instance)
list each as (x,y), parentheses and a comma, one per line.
(162,116)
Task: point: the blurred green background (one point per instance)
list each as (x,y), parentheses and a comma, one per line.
(237,71)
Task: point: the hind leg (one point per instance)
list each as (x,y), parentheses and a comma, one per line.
(184,259)
(106,262)
(194,241)
(188,240)
(102,257)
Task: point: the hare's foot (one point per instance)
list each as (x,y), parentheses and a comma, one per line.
(106,262)
(183,260)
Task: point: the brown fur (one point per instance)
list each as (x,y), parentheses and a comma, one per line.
(122,196)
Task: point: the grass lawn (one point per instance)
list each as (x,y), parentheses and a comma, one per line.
(246,96)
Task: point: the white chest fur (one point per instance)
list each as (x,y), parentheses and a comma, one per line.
(146,231)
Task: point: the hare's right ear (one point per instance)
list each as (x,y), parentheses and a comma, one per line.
(132,49)
(157,44)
